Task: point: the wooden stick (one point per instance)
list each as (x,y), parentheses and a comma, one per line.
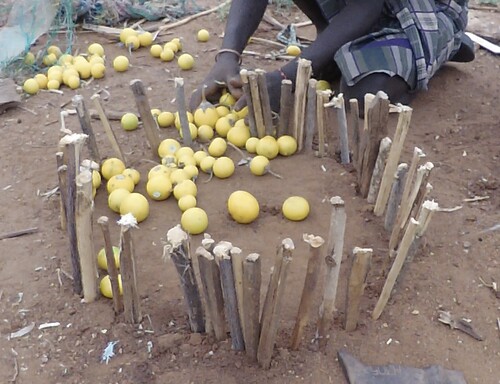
(148,121)
(310,283)
(83,218)
(376,121)
(248,96)
(180,98)
(72,145)
(61,175)
(393,160)
(193,17)
(22,232)
(333,261)
(266,104)
(237,260)
(321,99)
(251,303)
(426,211)
(286,108)
(395,196)
(423,173)
(86,125)
(357,282)
(107,127)
(311,115)
(103,222)
(403,248)
(400,221)
(383,152)
(221,252)
(177,249)
(131,302)
(210,281)
(273,303)
(260,124)
(339,104)
(304,71)
(355,130)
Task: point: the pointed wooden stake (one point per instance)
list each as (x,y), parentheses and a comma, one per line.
(304,71)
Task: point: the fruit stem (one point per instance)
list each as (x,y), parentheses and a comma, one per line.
(277,175)
(237,150)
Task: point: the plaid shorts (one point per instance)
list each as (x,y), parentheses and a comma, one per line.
(412,40)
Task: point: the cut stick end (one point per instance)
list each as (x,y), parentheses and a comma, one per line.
(179,82)
(431,205)
(127,221)
(288,244)
(252,257)
(103,220)
(336,201)
(176,235)
(202,252)
(235,251)
(313,241)
(134,81)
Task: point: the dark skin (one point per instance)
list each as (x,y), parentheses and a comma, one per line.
(353,21)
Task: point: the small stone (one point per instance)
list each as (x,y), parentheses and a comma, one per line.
(415,312)
(44,359)
(169,341)
(467,244)
(195,339)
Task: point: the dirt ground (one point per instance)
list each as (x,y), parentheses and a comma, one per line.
(456,123)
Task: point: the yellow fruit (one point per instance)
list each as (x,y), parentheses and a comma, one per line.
(207,116)
(116,198)
(31,86)
(293,50)
(129,121)
(166,119)
(111,167)
(54,69)
(243,207)
(146,39)
(170,161)
(217,147)
(287,145)
(186,202)
(125,33)
(73,82)
(42,80)
(207,163)
(133,42)
(49,60)
(96,49)
(223,167)
(120,181)
(194,220)
(183,161)
(323,85)
(177,121)
(155,112)
(105,286)
(191,170)
(133,174)
(268,147)
(199,156)
(227,99)
(79,59)
(238,135)
(95,59)
(178,176)
(240,123)
(295,208)
(251,145)
(167,54)
(203,35)
(222,110)
(223,125)
(56,75)
(156,50)
(96,179)
(69,72)
(259,165)
(97,70)
(53,84)
(242,113)
(159,170)
(29,59)
(185,61)
(102,262)
(186,187)
(66,59)
(168,147)
(177,42)
(137,205)
(84,69)
(172,46)
(159,188)
(192,130)
(120,63)
(55,50)
(205,133)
